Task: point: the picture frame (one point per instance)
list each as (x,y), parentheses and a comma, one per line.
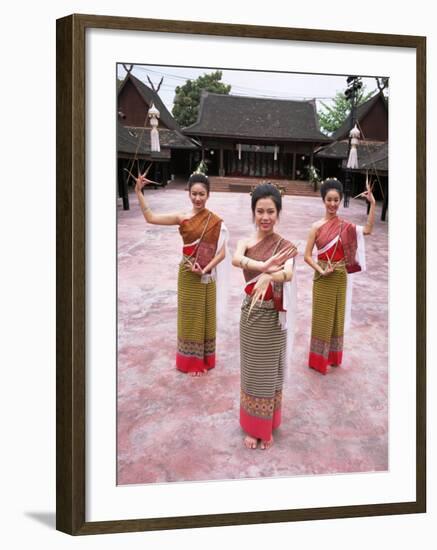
(71,205)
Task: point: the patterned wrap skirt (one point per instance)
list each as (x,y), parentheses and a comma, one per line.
(196,323)
(262,359)
(327,329)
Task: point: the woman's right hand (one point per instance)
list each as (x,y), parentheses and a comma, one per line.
(328,269)
(193,266)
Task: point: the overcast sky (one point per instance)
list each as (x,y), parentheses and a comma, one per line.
(249,83)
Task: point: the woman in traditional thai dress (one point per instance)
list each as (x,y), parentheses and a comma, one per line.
(204,238)
(266,318)
(340,251)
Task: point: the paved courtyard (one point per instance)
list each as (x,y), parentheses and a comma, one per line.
(172,427)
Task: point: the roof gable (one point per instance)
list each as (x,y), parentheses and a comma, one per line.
(149,96)
(361,112)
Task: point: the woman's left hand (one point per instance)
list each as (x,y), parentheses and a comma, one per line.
(276,262)
(368,193)
(141,182)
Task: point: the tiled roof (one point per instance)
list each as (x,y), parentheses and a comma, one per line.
(378,161)
(128,138)
(369,153)
(242,117)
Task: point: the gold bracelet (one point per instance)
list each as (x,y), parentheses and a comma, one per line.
(244,262)
(284,274)
(145,208)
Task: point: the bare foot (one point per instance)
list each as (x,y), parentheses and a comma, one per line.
(266,444)
(250,442)
(192,373)
(198,373)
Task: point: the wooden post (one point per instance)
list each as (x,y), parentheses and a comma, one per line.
(385,203)
(120,178)
(312,166)
(221,169)
(125,193)
(165,173)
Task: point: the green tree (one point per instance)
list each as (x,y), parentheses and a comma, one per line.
(332,117)
(187,97)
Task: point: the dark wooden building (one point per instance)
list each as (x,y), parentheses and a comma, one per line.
(133,137)
(372,117)
(251,136)
(331,160)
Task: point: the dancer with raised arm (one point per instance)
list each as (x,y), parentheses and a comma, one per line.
(204,238)
(340,251)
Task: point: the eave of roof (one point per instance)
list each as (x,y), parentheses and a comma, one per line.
(241,137)
(128,137)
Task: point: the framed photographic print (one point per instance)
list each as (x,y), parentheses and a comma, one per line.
(176,409)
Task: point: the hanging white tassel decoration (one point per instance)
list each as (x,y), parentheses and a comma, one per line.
(154,114)
(352,161)
(239,151)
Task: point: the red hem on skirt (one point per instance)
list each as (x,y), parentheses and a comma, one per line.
(321,363)
(335,358)
(261,428)
(194,364)
(318,362)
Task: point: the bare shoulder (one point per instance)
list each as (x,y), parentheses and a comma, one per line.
(244,243)
(183,216)
(314,228)
(318,224)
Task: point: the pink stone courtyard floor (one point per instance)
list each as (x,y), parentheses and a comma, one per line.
(172,427)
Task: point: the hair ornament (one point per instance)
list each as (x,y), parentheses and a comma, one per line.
(280,188)
(202,168)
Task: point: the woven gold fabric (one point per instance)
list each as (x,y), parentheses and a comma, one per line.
(196,315)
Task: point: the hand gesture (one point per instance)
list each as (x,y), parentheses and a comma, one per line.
(193,266)
(328,269)
(140,182)
(277,261)
(260,289)
(368,193)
